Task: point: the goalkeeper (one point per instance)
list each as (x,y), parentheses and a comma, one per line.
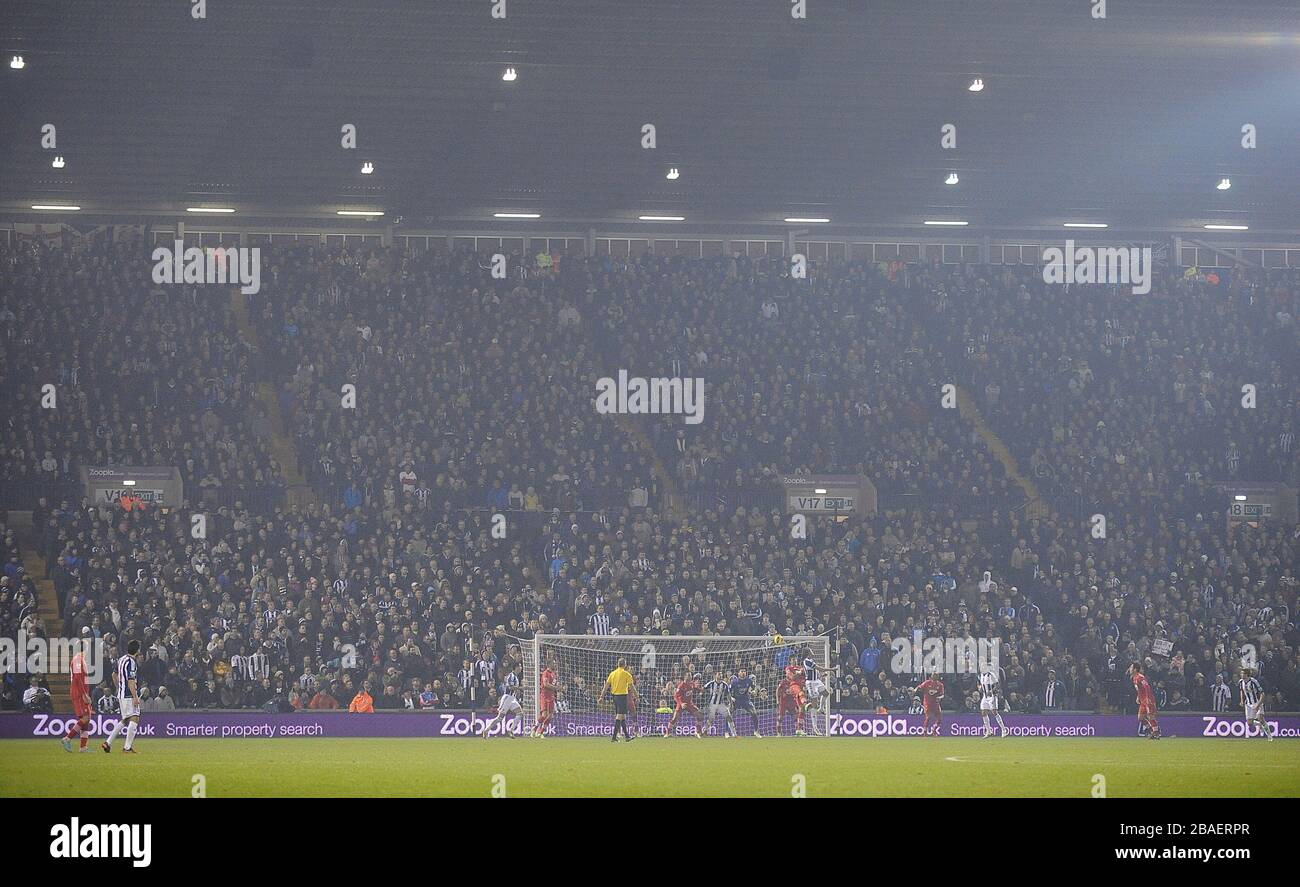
(621,685)
(741,686)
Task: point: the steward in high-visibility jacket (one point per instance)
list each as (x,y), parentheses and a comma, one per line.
(362,702)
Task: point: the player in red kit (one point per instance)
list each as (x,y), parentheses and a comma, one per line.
(81,706)
(1146,700)
(798,679)
(931,691)
(785,704)
(797,693)
(546,695)
(684,697)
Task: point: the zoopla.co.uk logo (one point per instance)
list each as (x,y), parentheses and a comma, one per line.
(460,725)
(1240,729)
(868,725)
(100,725)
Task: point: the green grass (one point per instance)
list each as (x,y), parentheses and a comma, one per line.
(947,767)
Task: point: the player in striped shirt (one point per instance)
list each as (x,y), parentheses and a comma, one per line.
(815,687)
(719,690)
(507,707)
(989,703)
(128,697)
(1252,700)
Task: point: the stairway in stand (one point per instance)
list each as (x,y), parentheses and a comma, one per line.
(1035,506)
(47,605)
(299,494)
(672,506)
(669,495)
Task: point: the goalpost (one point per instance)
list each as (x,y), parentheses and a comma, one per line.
(658,662)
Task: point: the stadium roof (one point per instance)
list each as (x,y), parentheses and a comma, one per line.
(1130,120)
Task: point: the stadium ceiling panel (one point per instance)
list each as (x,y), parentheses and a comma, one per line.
(1133,118)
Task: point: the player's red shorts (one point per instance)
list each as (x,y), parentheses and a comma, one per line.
(1146,710)
(686,706)
(786,703)
(797,696)
(935,713)
(81,710)
(548,705)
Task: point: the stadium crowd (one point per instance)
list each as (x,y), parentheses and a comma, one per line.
(1135,403)
(832,374)
(140,375)
(475,390)
(474,397)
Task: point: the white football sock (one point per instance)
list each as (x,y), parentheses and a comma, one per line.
(112,734)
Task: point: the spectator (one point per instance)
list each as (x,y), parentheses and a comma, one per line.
(363,702)
(36,698)
(323,700)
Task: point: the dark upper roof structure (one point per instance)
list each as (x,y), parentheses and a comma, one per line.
(1131,119)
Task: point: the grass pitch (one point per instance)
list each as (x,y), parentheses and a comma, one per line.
(653,766)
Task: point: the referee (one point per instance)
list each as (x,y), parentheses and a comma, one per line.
(621,685)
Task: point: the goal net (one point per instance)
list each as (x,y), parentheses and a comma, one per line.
(658,663)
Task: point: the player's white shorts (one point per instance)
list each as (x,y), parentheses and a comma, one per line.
(127,708)
(1254,711)
(988,704)
(721,710)
(815,689)
(507,713)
